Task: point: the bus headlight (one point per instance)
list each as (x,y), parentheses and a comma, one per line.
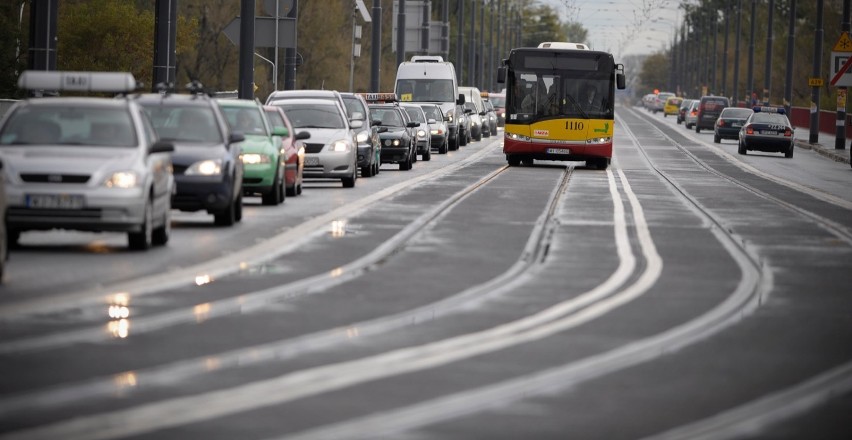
(517,137)
(598,141)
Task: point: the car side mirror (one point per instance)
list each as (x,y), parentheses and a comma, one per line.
(161,147)
(460,99)
(430,121)
(234,138)
(302,135)
(376,122)
(280,131)
(501,75)
(356,124)
(381,129)
(357,115)
(412,124)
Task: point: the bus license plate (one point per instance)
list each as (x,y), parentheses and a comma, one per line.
(558,151)
(54,201)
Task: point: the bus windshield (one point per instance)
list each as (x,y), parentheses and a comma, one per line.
(559,85)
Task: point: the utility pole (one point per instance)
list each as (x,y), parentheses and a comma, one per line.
(460,41)
(471,62)
(840,138)
(246,82)
(165,31)
(725,51)
(481,64)
(817,72)
(492,64)
(737,53)
(791,44)
(750,75)
(376,48)
(715,89)
(400,33)
(767,80)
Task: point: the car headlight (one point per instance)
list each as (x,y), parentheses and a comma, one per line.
(600,140)
(421,133)
(211,167)
(122,179)
(391,142)
(340,146)
(450,115)
(362,137)
(254,158)
(517,137)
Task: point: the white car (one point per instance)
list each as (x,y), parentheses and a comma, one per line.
(85,163)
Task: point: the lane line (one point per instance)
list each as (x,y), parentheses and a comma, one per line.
(168,374)
(300,384)
(227,264)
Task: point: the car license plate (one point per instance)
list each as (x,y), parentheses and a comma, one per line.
(54,201)
(558,151)
(736,125)
(311,161)
(769,132)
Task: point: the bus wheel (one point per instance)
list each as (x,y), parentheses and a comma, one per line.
(527,161)
(602,163)
(513,160)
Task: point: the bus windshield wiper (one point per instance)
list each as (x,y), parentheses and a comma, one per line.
(574,103)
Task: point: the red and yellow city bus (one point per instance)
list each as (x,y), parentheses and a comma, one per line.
(559,104)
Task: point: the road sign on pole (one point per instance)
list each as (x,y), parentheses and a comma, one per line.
(264,32)
(841,76)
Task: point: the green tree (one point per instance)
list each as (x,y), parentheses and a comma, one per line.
(654,74)
(13,47)
(112,35)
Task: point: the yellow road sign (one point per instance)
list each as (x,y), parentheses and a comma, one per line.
(844,43)
(815,82)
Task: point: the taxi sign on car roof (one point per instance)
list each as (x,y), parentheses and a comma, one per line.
(767,109)
(77,81)
(379,97)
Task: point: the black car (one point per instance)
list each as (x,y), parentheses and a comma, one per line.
(767,129)
(398,142)
(709,108)
(684,107)
(206,166)
(730,121)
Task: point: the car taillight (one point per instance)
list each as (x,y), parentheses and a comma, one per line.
(720,123)
(694,112)
(749,130)
(788,133)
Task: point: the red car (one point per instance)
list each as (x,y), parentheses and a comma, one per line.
(293,148)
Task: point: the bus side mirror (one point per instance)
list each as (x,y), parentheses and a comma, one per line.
(619,81)
(501,75)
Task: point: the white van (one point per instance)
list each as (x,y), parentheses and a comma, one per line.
(477,128)
(430,79)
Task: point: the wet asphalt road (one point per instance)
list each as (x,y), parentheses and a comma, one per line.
(684,292)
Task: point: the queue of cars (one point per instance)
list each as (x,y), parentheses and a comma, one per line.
(761,128)
(123,163)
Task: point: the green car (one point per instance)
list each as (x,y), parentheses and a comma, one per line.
(263,163)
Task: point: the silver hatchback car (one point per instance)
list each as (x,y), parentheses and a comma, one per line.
(83,163)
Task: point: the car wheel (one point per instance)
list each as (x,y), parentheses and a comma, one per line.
(13,239)
(697,129)
(427,156)
(442,149)
(789,153)
(349,182)
(716,138)
(376,168)
(367,171)
(141,240)
(228,216)
(513,160)
(453,146)
(162,234)
(741,149)
(274,196)
(238,214)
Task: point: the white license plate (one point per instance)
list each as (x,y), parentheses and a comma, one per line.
(558,151)
(311,161)
(769,132)
(736,125)
(54,201)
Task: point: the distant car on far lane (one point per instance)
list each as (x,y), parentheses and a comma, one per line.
(672,106)
(767,129)
(730,121)
(709,108)
(684,107)
(691,115)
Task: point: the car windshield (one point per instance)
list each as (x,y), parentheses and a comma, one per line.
(388,116)
(186,123)
(275,119)
(69,125)
(769,118)
(425,90)
(415,114)
(246,120)
(498,101)
(312,115)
